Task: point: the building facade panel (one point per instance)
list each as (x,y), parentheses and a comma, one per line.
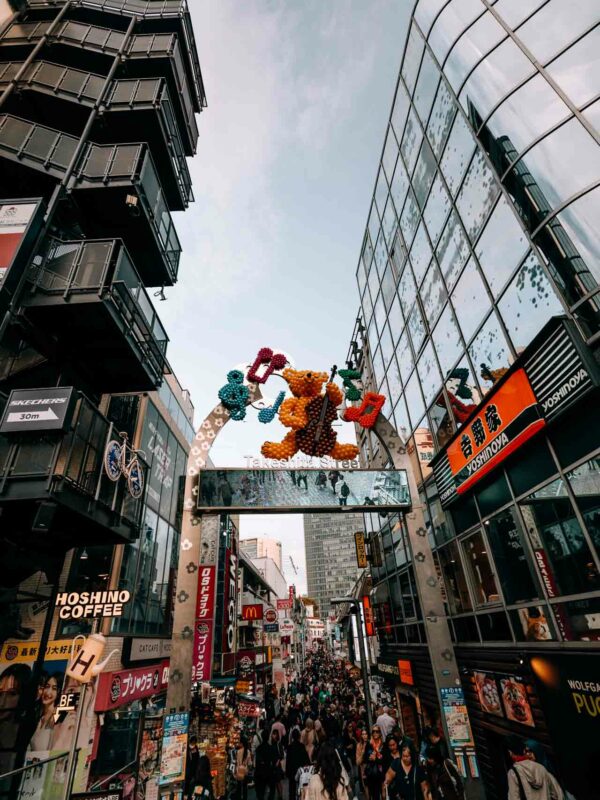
(480,232)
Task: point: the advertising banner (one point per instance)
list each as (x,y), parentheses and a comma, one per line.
(14,219)
(284,605)
(117,688)
(48,409)
(243,490)
(172,762)
(247,709)
(456,716)
(204,623)
(569,690)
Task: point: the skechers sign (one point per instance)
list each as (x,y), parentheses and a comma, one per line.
(552,373)
(38,410)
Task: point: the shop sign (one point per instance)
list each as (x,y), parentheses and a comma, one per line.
(81,605)
(361,549)
(244,687)
(387,669)
(204,623)
(509,417)
(252,611)
(272,628)
(286,626)
(286,640)
(456,716)
(68,701)
(147,649)
(107,794)
(118,688)
(38,410)
(174,746)
(554,372)
(569,690)
(14,222)
(24,652)
(368,615)
(283,605)
(246,660)
(229,602)
(271,615)
(405,672)
(246,709)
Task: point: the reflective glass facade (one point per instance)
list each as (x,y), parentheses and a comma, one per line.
(483,225)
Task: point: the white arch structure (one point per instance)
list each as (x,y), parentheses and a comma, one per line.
(199,546)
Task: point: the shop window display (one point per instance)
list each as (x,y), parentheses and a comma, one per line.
(483,580)
(561,550)
(585,483)
(494,627)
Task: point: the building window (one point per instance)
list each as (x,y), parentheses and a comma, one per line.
(457,591)
(511,558)
(480,569)
(561,550)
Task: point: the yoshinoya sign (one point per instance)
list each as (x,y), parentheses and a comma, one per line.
(81,605)
(48,409)
(553,372)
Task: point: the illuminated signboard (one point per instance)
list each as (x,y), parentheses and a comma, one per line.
(405,672)
(361,550)
(252,611)
(553,372)
(302,490)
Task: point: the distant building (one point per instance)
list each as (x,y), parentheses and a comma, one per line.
(263,547)
(272,574)
(330,556)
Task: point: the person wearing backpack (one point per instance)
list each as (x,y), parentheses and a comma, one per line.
(527,779)
(444,778)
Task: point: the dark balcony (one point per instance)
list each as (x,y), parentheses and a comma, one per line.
(54,492)
(156,16)
(135,110)
(117,189)
(148,56)
(88,298)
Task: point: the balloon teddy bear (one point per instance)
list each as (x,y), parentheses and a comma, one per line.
(309,413)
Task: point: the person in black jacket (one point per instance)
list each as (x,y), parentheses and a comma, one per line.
(296,757)
(265,761)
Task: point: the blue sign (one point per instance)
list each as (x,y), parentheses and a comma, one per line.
(271,627)
(172,766)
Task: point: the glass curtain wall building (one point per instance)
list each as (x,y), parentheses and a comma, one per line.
(482,228)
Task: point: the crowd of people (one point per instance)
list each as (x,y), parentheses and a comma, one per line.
(314,743)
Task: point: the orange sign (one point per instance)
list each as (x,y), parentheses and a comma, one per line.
(405,672)
(252,611)
(369,624)
(508,419)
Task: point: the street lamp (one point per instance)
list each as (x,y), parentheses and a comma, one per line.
(355,607)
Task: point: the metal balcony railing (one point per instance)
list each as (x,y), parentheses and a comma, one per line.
(103,268)
(130,94)
(119,164)
(109,41)
(71,463)
(149,9)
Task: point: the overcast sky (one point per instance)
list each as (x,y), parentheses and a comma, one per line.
(299,93)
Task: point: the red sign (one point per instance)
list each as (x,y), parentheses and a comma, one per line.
(405,672)
(253,611)
(204,624)
(246,709)
(368,611)
(271,615)
(283,605)
(507,419)
(118,688)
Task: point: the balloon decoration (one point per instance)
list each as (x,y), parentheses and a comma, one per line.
(275,361)
(366,414)
(348,375)
(234,395)
(310,414)
(266,415)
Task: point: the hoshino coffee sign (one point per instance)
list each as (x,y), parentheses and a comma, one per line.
(554,371)
(80,605)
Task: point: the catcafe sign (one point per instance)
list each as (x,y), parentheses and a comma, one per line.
(81,605)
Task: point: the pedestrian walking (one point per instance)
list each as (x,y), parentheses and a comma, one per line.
(328,782)
(385,722)
(321,480)
(528,779)
(296,758)
(264,769)
(303,478)
(344,492)
(242,768)
(408,777)
(308,737)
(334,477)
(373,758)
(443,776)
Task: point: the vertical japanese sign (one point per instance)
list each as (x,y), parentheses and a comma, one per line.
(204,623)
(172,762)
(361,550)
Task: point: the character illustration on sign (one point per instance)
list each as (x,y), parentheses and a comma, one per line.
(310,414)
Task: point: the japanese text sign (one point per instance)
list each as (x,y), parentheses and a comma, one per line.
(283,605)
(509,417)
(361,550)
(204,623)
(205,603)
(118,688)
